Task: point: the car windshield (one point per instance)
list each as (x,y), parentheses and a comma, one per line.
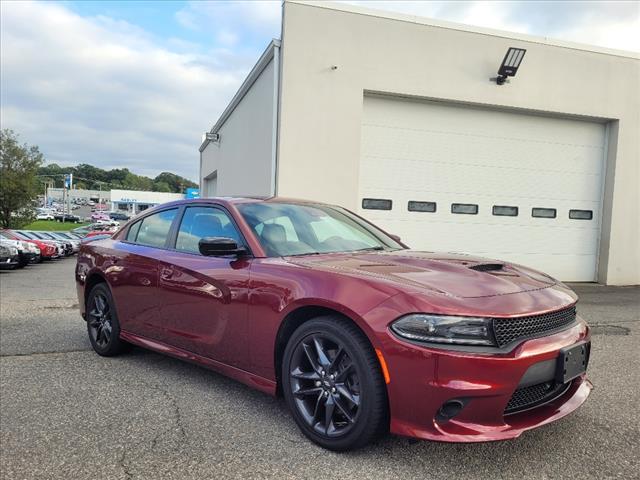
(42,236)
(285,229)
(28,236)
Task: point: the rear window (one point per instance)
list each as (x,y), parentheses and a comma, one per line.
(133,232)
(155,228)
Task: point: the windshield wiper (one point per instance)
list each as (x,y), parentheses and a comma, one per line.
(376,248)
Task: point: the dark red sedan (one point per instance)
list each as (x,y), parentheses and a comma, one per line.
(360,334)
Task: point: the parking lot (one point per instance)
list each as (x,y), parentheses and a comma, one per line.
(68,413)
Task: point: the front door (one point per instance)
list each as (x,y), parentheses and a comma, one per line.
(203,299)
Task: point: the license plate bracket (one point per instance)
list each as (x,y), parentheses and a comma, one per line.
(572,362)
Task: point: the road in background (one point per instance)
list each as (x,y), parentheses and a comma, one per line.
(67,413)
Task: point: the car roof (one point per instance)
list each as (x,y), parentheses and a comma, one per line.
(242,200)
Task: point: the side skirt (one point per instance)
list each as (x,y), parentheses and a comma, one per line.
(254,381)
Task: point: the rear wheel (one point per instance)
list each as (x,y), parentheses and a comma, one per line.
(333,384)
(102,322)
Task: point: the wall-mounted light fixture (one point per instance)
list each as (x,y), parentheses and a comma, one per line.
(510,65)
(212,137)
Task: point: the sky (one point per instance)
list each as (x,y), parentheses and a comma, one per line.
(135,83)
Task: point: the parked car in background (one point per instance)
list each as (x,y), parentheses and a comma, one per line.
(67,246)
(99,216)
(66,237)
(45,216)
(118,216)
(58,246)
(95,229)
(48,250)
(27,252)
(66,217)
(96,236)
(8,257)
(361,334)
(108,231)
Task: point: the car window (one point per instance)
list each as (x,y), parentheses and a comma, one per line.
(289,229)
(200,222)
(154,229)
(133,231)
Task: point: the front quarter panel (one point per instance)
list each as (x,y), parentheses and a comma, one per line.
(278,288)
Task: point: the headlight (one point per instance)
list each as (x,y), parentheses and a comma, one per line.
(445,329)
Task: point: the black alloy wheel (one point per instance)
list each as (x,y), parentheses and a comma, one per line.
(102,322)
(333,384)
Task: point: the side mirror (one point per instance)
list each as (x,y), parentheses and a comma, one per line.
(219,246)
(396,238)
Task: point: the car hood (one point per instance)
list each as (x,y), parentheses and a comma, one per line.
(456,275)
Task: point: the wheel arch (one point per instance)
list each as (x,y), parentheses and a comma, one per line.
(92,280)
(297,317)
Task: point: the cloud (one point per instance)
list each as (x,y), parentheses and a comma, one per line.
(256,21)
(610,24)
(101,91)
(107,92)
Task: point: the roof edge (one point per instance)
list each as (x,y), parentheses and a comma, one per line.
(246,85)
(348,8)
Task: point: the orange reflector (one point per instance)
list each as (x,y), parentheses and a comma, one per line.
(383,364)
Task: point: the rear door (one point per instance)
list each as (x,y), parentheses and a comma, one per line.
(204,299)
(134,275)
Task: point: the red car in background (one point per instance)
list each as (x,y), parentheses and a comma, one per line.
(48,250)
(359,333)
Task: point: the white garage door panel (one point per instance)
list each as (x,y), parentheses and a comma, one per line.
(447,154)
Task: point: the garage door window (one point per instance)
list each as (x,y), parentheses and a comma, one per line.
(376,204)
(504,211)
(414,206)
(464,208)
(543,212)
(580,214)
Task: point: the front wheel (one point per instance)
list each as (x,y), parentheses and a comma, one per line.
(102,322)
(333,384)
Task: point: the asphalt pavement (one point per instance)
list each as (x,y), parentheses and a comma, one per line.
(67,413)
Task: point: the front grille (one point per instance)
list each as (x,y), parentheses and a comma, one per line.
(507,330)
(533,395)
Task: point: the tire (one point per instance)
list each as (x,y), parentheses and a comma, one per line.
(351,388)
(102,322)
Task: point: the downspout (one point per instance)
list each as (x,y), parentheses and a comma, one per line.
(276,117)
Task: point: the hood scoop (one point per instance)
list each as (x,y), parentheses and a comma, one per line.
(488,267)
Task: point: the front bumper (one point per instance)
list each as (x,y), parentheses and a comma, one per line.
(423,379)
(11,262)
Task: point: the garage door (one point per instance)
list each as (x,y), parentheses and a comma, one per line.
(523,188)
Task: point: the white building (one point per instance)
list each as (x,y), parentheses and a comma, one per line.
(355,105)
(130,201)
(134,201)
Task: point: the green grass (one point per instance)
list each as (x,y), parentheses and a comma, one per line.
(52,226)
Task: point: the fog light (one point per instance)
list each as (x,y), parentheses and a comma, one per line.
(450,409)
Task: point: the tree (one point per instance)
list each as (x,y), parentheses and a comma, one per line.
(161,187)
(176,182)
(18,185)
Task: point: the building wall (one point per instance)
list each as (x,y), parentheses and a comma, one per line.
(58,194)
(241,161)
(321,106)
(136,196)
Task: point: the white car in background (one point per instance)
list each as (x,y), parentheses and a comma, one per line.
(44,216)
